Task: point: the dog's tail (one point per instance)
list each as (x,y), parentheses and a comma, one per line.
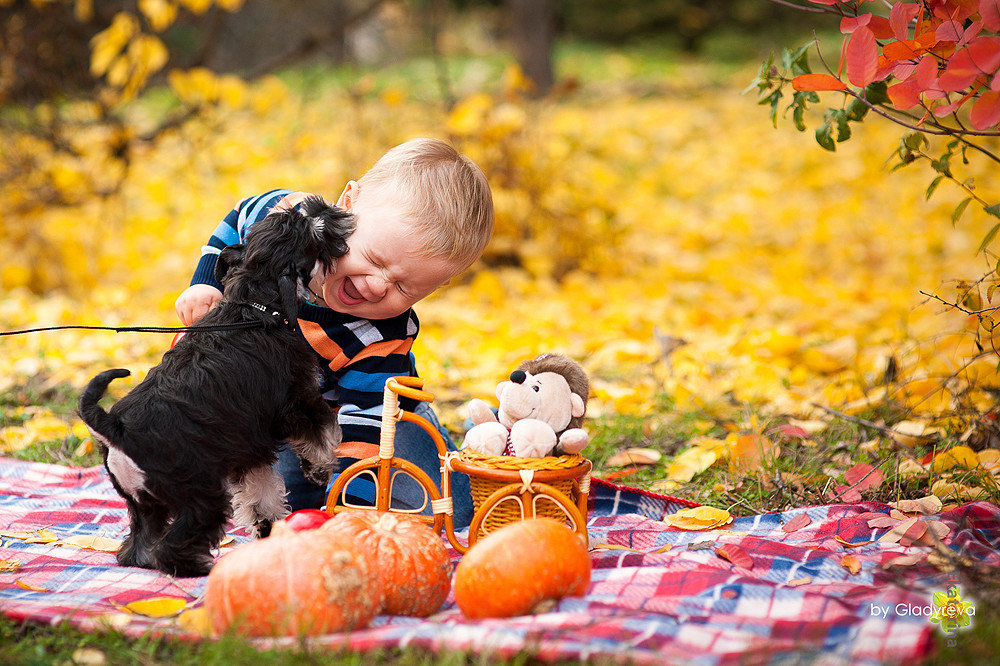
(96,418)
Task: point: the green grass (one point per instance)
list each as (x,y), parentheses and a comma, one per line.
(30,644)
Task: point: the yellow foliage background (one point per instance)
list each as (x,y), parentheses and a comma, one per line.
(675,243)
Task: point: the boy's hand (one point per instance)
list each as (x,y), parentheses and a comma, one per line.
(195,301)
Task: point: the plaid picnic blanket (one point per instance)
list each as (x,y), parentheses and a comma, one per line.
(658,594)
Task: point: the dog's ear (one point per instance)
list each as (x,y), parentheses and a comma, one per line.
(331,225)
(288,285)
(230,257)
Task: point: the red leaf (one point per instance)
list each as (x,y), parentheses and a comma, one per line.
(904,70)
(995,84)
(947,109)
(863,476)
(906,49)
(736,555)
(880,27)
(817,82)
(862,57)
(971,32)
(957,10)
(913,533)
(797,523)
(846,494)
(899,18)
(989,11)
(960,72)
(885,68)
(789,430)
(986,111)
(981,56)
(926,73)
(984,54)
(849,24)
(882,522)
(949,31)
(926,39)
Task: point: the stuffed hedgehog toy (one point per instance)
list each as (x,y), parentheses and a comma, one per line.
(541,409)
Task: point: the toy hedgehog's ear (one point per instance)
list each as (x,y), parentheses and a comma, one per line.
(500,387)
(230,257)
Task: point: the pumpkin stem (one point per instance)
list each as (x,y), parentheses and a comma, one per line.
(544,606)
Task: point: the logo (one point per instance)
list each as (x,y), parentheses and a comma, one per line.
(951,612)
(946,609)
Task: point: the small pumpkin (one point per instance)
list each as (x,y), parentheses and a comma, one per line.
(410,558)
(523,567)
(293,583)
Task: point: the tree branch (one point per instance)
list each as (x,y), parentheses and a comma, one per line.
(313,43)
(814,10)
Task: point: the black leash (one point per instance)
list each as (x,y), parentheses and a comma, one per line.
(145,329)
(233,326)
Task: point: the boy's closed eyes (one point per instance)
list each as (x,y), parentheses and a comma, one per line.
(384,272)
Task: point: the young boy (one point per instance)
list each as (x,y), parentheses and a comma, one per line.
(424,214)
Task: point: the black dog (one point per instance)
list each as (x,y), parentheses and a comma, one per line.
(199,436)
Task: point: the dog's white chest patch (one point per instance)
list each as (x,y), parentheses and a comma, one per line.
(128,474)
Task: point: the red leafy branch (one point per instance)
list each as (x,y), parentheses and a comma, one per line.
(936,56)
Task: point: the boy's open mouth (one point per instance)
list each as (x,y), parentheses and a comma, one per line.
(348,293)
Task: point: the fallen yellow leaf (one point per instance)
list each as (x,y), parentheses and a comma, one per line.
(747,453)
(911,433)
(92,542)
(925,506)
(85,447)
(9,565)
(690,463)
(851,563)
(948,490)
(88,657)
(957,456)
(157,606)
(699,518)
(615,546)
(990,459)
(634,456)
(195,620)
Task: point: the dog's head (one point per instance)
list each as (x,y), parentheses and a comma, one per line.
(283,252)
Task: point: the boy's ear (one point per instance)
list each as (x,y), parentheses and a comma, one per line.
(230,257)
(349,195)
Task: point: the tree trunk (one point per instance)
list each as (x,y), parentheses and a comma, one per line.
(532,30)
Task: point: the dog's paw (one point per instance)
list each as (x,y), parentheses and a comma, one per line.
(331,439)
(318,474)
(261,529)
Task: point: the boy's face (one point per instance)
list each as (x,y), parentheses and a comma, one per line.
(380,277)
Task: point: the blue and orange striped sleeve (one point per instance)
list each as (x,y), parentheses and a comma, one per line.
(232,230)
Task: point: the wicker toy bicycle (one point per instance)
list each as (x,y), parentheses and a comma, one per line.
(504,488)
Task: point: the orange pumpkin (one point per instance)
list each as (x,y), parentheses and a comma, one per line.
(410,558)
(523,567)
(293,583)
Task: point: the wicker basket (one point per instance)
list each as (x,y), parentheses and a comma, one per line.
(567,474)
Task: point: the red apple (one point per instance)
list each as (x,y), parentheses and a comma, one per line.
(305,519)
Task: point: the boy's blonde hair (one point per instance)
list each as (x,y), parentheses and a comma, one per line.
(444,193)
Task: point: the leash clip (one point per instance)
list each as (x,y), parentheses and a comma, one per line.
(273,313)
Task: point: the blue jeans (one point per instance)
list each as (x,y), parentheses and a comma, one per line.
(412,443)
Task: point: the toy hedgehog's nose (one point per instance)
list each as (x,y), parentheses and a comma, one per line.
(518,376)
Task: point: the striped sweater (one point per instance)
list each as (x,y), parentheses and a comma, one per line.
(355,356)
